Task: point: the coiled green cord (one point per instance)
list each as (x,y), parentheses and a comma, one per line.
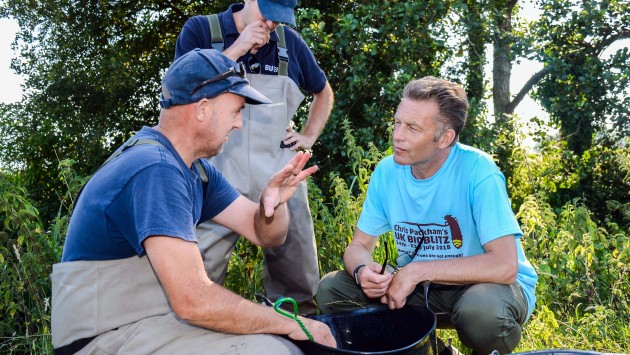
(280,301)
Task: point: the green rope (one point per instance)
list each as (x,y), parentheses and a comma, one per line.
(280,301)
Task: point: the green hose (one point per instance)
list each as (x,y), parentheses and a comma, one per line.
(280,301)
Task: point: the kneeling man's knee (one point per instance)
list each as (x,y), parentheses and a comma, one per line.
(486,323)
(337,292)
(325,292)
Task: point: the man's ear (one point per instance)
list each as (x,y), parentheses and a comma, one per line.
(202,109)
(447,138)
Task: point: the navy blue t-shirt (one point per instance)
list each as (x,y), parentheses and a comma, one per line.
(147,190)
(303,68)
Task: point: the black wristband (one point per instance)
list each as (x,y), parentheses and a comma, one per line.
(356,274)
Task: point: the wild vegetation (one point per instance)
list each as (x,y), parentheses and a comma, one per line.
(93,72)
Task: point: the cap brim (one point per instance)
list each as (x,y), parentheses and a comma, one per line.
(251,95)
(276,12)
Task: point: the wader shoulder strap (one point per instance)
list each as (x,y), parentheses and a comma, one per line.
(202,174)
(134,142)
(128,144)
(215,32)
(283,53)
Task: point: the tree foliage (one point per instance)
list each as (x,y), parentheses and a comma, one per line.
(93,70)
(369,51)
(585,92)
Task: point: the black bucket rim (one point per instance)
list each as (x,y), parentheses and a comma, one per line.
(373,309)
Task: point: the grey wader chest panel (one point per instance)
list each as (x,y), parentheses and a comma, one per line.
(251,156)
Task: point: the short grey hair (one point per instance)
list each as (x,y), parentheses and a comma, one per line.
(450,98)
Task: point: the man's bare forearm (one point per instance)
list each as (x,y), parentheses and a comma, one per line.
(320,111)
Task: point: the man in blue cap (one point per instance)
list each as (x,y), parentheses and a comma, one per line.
(279,64)
(132,279)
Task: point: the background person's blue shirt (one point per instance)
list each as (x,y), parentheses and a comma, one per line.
(147,190)
(303,68)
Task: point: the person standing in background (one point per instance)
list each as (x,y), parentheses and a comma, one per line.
(279,64)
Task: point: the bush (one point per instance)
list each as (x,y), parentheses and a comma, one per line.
(26,255)
(583,283)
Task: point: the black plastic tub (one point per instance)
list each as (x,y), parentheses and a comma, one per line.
(379,330)
(409,330)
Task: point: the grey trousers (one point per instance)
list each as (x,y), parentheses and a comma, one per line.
(486,316)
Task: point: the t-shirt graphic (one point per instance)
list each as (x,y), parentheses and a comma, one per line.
(441,240)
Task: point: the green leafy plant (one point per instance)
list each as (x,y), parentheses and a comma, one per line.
(26,255)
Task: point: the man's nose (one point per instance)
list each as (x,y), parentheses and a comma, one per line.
(238,122)
(397,134)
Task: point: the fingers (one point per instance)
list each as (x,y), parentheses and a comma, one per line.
(293,173)
(373,283)
(270,205)
(284,183)
(256,34)
(301,141)
(306,173)
(293,176)
(398,291)
(298,162)
(289,139)
(393,302)
(374,292)
(321,332)
(294,142)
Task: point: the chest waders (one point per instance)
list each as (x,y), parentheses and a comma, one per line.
(77,289)
(119,306)
(250,157)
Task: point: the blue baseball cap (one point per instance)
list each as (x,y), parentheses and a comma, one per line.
(206,74)
(278,10)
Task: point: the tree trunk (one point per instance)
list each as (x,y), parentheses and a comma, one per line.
(502,66)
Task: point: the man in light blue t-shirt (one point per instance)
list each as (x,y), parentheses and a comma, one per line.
(450,214)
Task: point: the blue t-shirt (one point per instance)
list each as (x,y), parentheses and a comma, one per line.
(147,190)
(459,209)
(303,68)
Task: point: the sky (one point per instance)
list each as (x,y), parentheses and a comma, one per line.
(10,90)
